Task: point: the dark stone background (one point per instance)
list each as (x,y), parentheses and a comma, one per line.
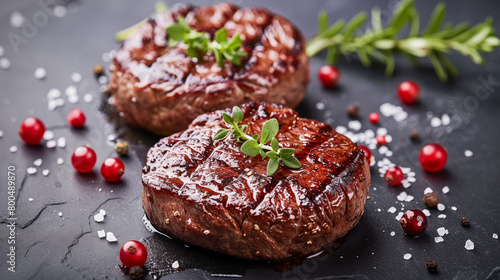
(53,247)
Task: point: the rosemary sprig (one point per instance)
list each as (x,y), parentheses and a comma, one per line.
(199,42)
(252,146)
(381,42)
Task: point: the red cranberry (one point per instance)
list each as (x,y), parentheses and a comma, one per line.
(83,159)
(112,169)
(414,222)
(409,92)
(374,118)
(367,152)
(329,76)
(133,253)
(381,140)
(394,176)
(31,131)
(76,118)
(433,157)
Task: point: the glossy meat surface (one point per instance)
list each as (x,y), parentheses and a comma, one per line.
(210,194)
(162,89)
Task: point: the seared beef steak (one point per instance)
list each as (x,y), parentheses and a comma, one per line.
(162,89)
(209,194)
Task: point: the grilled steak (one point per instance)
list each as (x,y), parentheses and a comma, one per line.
(209,194)
(162,89)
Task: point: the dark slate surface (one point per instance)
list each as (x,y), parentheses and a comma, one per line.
(52,247)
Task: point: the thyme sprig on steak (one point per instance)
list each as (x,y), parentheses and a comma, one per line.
(199,42)
(252,146)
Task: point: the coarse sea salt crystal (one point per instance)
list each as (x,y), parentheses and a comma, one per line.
(40,73)
(88,97)
(382,131)
(441,207)
(406,184)
(175,264)
(407,256)
(98,217)
(102,212)
(2,51)
(454,208)
(101,233)
(13,149)
(30,199)
(383,149)
(61,142)
(435,122)
(73,99)
(445,189)
(4,63)
(320,106)
(45,172)
(468,153)
(409,198)
(354,125)
(48,135)
(70,91)
(59,214)
(1,133)
(442,216)
(402,196)
(469,245)
(392,210)
(401,116)
(76,77)
(60,161)
(399,216)
(59,11)
(495,236)
(110,237)
(51,143)
(428,190)
(445,119)
(38,162)
(31,170)
(53,93)
(388,153)
(426,212)
(438,239)
(393,233)
(442,231)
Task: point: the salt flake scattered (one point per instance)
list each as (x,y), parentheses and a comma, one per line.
(445,119)
(407,256)
(76,77)
(393,233)
(45,172)
(110,237)
(175,265)
(392,210)
(13,149)
(40,73)
(469,245)
(426,212)
(402,196)
(438,239)
(101,233)
(59,214)
(31,170)
(454,208)
(441,207)
(399,216)
(442,216)
(445,189)
(60,161)
(51,144)
(61,142)
(442,231)
(468,153)
(428,190)
(17,19)
(98,217)
(102,212)
(59,11)
(4,63)
(354,125)
(53,93)
(48,135)
(2,51)
(435,122)
(1,133)
(38,162)
(409,198)
(88,97)
(30,199)
(495,236)
(71,91)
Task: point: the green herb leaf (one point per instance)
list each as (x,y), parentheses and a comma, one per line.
(275,144)
(269,130)
(291,162)
(322,21)
(286,152)
(221,35)
(272,154)
(237,114)
(436,19)
(221,134)
(272,166)
(251,147)
(227,118)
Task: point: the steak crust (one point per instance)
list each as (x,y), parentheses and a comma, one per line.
(162,89)
(209,194)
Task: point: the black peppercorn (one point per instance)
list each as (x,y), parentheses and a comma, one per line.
(136,272)
(432,266)
(98,69)
(465,222)
(414,135)
(353,110)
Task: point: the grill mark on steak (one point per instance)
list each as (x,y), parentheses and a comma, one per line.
(164,80)
(249,214)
